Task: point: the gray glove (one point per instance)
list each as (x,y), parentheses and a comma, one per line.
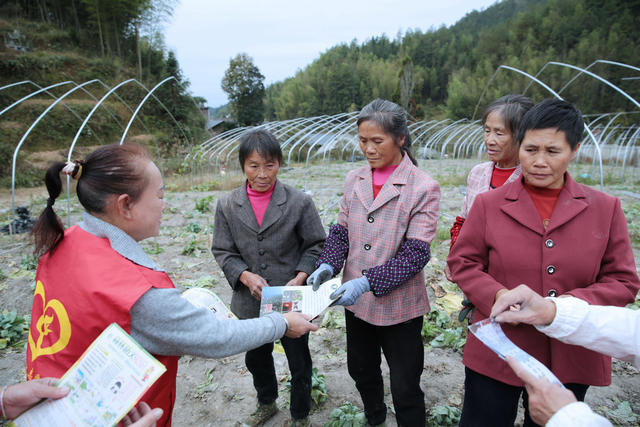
(350,291)
(321,275)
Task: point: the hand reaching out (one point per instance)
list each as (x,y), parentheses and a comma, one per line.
(523,305)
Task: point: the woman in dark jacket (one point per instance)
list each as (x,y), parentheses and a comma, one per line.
(268,233)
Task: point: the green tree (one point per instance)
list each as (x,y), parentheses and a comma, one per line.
(243,82)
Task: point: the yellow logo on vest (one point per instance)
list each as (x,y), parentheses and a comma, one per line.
(51,310)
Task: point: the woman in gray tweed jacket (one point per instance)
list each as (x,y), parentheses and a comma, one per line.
(267,233)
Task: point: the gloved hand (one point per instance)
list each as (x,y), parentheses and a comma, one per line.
(321,275)
(351,290)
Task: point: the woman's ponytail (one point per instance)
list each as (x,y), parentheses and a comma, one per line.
(406,147)
(48,229)
(109,170)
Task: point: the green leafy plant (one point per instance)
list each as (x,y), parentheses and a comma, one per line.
(346,415)
(206,387)
(439,318)
(450,337)
(440,331)
(333,319)
(194,227)
(632,213)
(12,327)
(443,234)
(204,205)
(191,248)
(29,262)
(207,281)
(429,331)
(2,275)
(433,324)
(318,388)
(155,249)
(443,416)
(623,415)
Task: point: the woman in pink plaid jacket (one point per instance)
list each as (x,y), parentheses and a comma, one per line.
(386,223)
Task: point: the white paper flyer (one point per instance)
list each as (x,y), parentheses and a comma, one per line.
(105,383)
(301,299)
(490,333)
(203,297)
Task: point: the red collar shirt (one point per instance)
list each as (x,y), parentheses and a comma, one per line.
(479,181)
(584,252)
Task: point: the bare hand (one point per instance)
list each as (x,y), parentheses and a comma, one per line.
(299,280)
(299,324)
(447,273)
(254,282)
(142,416)
(523,305)
(20,397)
(545,398)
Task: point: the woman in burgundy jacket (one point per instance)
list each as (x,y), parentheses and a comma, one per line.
(554,235)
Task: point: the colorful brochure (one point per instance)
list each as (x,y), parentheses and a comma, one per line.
(105,383)
(301,299)
(490,333)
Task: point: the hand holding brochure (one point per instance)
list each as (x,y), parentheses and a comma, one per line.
(490,333)
(105,383)
(301,299)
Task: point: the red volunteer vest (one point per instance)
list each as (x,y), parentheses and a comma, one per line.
(82,288)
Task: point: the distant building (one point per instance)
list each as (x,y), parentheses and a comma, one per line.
(205,112)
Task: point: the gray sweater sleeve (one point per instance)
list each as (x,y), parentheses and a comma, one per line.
(164,323)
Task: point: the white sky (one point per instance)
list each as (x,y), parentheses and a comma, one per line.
(284,36)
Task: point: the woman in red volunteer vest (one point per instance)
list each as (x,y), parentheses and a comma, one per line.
(95,273)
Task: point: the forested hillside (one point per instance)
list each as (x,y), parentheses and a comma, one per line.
(53,41)
(443,71)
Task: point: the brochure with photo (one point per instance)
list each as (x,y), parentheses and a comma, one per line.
(301,299)
(104,383)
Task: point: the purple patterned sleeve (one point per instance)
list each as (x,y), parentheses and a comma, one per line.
(336,248)
(412,256)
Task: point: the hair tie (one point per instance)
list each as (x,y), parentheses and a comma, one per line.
(73,169)
(50,202)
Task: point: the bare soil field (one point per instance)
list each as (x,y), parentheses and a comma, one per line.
(220,392)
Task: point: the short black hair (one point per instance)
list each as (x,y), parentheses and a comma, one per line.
(261,141)
(554,113)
